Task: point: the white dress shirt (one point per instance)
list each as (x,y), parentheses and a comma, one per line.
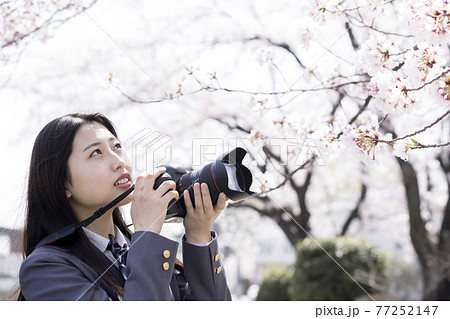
(102,243)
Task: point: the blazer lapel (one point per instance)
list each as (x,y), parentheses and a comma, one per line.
(117,275)
(115,271)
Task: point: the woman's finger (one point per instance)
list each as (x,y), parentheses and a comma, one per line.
(154,176)
(207,204)
(140,182)
(169,196)
(165,187)
(198,198)
(220,205)
(187,202)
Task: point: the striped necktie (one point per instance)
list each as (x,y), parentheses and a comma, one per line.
(119,252)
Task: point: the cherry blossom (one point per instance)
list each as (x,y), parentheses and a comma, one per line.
(378,53)
(401,148)
(428,19)
(391,92)
(444,87)
(327,141)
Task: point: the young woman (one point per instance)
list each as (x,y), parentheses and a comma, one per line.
(78,166)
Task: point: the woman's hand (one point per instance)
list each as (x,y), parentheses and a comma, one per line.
(149,207)
(198,220)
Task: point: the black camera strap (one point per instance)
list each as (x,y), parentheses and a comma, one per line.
(68,230)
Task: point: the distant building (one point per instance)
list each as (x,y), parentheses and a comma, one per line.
(10,260)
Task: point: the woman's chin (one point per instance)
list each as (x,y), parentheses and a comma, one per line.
(126,200)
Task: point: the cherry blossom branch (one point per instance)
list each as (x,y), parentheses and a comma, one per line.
(440,118)
(353,41)
(333,87)
(282,45)
(287,177)
(209,88)
(168,97)
(430,146)
(351,9)
(47,22)
(364,25)
(429,82)
(361,109)
(415,133)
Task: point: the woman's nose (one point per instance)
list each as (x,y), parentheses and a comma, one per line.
(119,161)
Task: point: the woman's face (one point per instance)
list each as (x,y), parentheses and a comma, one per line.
(99,170)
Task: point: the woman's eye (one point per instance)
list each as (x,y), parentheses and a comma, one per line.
(96,152)
(118,146)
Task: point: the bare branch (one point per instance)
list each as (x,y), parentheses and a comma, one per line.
(282,45)
(214,89)
(430,146)
(440,118)
(355,211)
(361,109)
(355,44)
(48,22)
(429,82)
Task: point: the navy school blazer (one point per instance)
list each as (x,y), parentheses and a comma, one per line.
(53,273)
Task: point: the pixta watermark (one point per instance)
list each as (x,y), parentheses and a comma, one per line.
(149,149)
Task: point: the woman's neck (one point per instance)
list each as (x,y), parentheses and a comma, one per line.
(103,225)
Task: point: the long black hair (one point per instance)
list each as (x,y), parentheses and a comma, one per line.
(48,208)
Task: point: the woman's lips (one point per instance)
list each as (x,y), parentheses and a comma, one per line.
(124,185)
(123,182)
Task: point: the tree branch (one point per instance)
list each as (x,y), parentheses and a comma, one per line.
(429,82)
(361,109)
(430,145)
(209,88)
(47,22)
(355,211)
(440,118)
(282,45)
(355,44)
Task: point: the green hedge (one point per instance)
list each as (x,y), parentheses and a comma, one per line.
(316,276)
(275,285)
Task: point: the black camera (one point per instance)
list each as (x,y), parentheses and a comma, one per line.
(226,174)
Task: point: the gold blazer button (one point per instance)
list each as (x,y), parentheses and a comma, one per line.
(166,253)
(166,266)
(218,270)
(216,257)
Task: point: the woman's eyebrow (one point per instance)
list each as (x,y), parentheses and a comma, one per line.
(97,143)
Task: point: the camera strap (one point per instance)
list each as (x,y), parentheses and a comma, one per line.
(68,230)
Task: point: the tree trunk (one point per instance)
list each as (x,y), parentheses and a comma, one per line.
(434,279)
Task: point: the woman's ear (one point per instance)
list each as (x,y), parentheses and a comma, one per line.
(66,187)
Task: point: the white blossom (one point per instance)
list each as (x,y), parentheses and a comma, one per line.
(401,148)
(362,138)
(378,53)
(326,139)
(424,64)
(391,92)
(427,19)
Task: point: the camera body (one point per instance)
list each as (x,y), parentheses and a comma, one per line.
(226,174)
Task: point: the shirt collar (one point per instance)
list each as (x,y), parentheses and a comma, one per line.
(101,242)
